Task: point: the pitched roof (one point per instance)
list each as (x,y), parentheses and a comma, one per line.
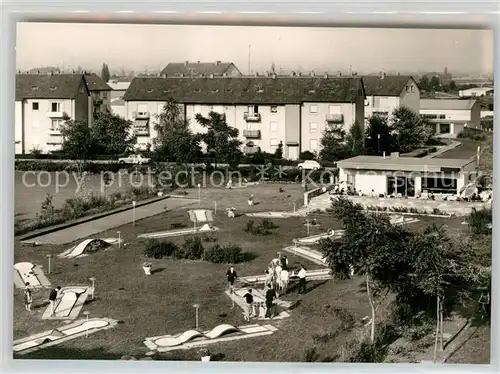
(390,85)
(45,86)
(190,69)
(96,83)
(240,90)
(446,104)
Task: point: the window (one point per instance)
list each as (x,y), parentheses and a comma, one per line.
(56,124)
(105,95)
(442,116)
(253,109)
(313,127)
(334,109)
(407,88)
(313,109)
(55,107)
(274,142)
(412,88)
(313,144)
(35,106)
(274,109)
(274,126)
(82,89)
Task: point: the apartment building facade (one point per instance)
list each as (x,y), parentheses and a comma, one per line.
(451,116)
(384,93)
(42,103)
(100,93)
(267,111)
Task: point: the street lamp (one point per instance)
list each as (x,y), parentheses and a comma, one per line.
(86,314)
(378,144)
(133,212)
(308,224)
(93,287)
(215,207)
(199,193)
(49,256)
(196,306)
(119,239)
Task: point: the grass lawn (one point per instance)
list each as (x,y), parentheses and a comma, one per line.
(162,303)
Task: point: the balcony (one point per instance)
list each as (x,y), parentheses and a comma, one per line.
(54,132)
(250,150)
(335,118)
(251,117)
(140,115)
(251,134)
(58,114)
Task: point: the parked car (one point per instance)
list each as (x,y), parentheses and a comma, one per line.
(309,165)
(134,160)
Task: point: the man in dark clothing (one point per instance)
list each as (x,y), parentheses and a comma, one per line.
(284,263)
(52,299)
(270,296)
(249,303)
(231,277)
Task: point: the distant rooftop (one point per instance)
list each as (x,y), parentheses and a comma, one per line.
(385,85)
(446,104)
(194,69)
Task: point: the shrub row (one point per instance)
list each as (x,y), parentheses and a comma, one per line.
(402,209)
(79,207)
(60,156)
(473,134)
(265,227)
(193,249)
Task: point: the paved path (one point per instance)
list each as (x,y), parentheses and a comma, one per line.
(107,223)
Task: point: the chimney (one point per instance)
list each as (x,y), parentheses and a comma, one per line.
(300,74)
(382,75)
(325,75)
(197,62)
(217,62)
(339,73)
(186,62)
(51,73)
(273,75)
(211,75)
(293,74)
(312,73)
(182,74)
(38,71)
(256,74)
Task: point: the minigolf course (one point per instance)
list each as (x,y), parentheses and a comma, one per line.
(259,304)
(62,334)
(193,338)
(317,274)
(313,239)
(27,272)
(274,214)
(69,303)
(307,253)
(88,246)
(202,216)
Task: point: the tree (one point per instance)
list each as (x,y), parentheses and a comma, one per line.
(175,141)
(377,135)
(370,246)
(355,140)
(77,140)
(434,83)
(111,135)
(221,139)
(307,155)
(409,130)
(105,72)
(333,146)
(279,151)
(424,83)
(453,86)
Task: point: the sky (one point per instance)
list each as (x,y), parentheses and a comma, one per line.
(140,47)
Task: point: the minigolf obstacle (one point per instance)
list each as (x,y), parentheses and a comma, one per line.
(193,338)
(83,327)
(202,216)
(27,272)
(69,303)
(88,246)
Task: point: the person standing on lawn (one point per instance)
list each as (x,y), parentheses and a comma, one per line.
(231,278)
(249,303)
(28,297)
(52,299)
(270,296)
(284,263)
(302,279)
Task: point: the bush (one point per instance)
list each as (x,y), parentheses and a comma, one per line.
(193,248)
(230,254)
(472,134)
(264,228)
(480,221)
(157,249)
(51,166)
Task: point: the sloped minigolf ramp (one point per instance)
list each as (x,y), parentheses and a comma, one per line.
(178,340)
(230,333)
(69,304)
(62,334)
(27,272)
(85,248)
(201,215)
(308,254)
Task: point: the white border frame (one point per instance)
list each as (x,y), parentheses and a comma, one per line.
(368,13)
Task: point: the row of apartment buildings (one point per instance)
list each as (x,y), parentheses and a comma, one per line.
(267,110)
